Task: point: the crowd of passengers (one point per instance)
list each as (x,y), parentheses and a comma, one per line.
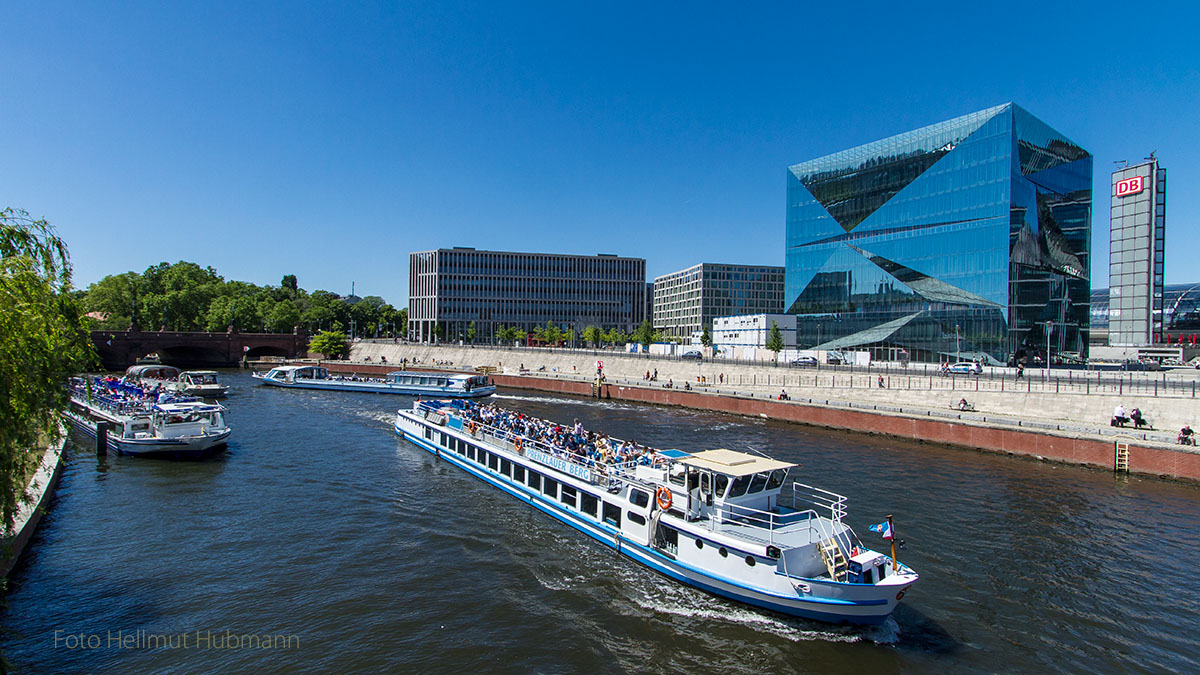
(122,394)
(572,443)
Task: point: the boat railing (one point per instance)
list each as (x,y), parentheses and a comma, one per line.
(814,497)
(604,474)
(822,509)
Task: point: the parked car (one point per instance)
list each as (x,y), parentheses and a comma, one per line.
(964,368)
(834,359)
(692,354)
(805,361)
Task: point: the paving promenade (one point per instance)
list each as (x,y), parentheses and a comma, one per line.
(1075,404)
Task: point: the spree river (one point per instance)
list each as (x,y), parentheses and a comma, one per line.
(352,549)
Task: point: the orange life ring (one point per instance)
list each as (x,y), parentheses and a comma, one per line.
(517,443)
(662,497)
(471,427)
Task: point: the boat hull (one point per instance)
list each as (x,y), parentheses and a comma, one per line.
(824,601)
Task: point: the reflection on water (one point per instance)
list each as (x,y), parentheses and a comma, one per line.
(320,523)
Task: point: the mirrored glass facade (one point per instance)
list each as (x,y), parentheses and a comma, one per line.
(968,239)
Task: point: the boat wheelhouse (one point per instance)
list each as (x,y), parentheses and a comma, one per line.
(133,424)
(412,383)
(202,383)
(723,521)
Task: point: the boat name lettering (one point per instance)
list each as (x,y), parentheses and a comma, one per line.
(560,464)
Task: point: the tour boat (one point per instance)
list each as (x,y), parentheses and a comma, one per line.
(726,522)
(202,383)
(137,425)
(398,382)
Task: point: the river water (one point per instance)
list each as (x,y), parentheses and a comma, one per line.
(356,550)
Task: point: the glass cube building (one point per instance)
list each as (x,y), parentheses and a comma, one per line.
(969,239)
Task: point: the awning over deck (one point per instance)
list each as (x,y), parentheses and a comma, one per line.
(733,463)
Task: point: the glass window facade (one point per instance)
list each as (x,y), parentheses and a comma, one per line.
(687,301)
(1135,265)
(965,239)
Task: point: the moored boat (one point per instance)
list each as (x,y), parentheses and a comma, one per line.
(453,385)
(202,383)
(138,424)
(152,375)
(726,522)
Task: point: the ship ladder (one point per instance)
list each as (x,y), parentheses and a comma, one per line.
(1121,460)
(835,560)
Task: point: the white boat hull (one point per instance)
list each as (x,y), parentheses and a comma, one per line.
(381,388)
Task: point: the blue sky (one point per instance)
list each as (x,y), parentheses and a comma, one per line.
(329,141)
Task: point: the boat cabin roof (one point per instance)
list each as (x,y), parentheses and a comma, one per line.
(187,407)
(733,463)
(153,371)
(199,372)
(449,376)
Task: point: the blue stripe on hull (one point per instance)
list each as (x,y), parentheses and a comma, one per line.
(650,557)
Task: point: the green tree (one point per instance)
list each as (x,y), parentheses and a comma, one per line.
(284,317)
(775,339)
(569,335)
(644,334)
(706,338)
(402,321)
(333,344)
(116,296)
(614,336)
(289,282)
(593,335)
(471,332)
(42,343)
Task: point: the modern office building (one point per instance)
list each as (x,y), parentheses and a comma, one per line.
(970,238)
(1135,255)
(752,330)
(1181,314)
(451,289)
(688,300)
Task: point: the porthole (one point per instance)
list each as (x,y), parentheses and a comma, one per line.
(724,552)
(750,560)
(699,543)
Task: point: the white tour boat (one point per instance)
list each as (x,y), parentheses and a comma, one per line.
(398,382)
(202,383)
(136,425)
(723,521)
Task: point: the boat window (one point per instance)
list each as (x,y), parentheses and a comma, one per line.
(534,479)
(739,486)
(670,535)
(760,481)
(518,473)
(721,481)
(868,576)
(776,478)
(493,462)
(677,477)
(568,496)
(588,504)
(428,434)
(635,518)
(612,514)
(750,560)
(550,487)
(705,482)
(639,497)
(505,467)
(723,551)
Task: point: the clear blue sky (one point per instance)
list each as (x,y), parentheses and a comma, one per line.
(266,139)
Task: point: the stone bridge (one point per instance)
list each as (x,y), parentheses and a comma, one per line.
(120,349)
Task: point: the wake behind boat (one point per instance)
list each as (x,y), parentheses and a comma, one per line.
(723,521)
(398,382)
(141,425)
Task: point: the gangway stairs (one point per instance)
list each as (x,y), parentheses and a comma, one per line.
(835,560)
(1121,460)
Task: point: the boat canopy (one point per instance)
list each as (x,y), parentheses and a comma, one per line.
(733,463)
(152,372)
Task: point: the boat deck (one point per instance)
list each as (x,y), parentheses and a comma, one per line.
(793,530)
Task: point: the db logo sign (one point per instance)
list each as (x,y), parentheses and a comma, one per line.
(1130,186)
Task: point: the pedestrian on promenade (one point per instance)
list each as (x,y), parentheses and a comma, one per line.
(881,382)
(655,378)
(1020,370)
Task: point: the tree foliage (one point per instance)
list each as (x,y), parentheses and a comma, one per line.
(333,344)
(42,343)
(706,338)
(593,335)
(775,339)
(184,296)
(644,334)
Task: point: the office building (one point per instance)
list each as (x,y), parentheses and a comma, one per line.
(452,289)
(1135,257)
(687,301)
(967,239)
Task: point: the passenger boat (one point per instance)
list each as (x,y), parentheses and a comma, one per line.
(726,522)
(202,383)
(398,382)
(141,426)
